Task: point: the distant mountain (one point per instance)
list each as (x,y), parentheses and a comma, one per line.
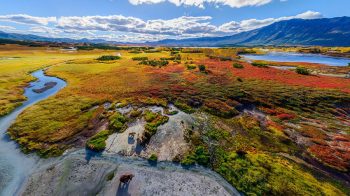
(29,37)
(321,32)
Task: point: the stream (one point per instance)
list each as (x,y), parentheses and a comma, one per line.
(16,168)
(14,165)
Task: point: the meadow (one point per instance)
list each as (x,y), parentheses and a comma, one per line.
(301,147)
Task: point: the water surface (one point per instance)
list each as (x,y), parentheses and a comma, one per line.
(14,165)
(299,57)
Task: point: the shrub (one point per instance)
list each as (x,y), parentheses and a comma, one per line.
(154,63)
(177,158)
(200,156)
(135,113)
(139,58)
(108,58)
(110,176)
(117,122)
(302,71)
(238,65)
(184,107)
(201,68)
(223,58)
(154,120)
(153,158)
(260,64)
(172,112)
(150,116)
(191,67)
(188,161)
(98,141)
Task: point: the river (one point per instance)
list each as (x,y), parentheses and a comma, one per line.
(299,57)
(14,165)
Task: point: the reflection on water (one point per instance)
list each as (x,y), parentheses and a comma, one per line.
(299,57)
(14,165)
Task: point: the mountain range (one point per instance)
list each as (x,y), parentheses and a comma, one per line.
(320,32)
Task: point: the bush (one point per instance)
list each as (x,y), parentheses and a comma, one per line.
(153,158)
(238,65)
(150,116)
(184,107)
(188,161)
(191,67)
(117,122)
(260,64)
(98,141)
(200,156)
(110,176)
(155,63)
(302,71)
(201,68)
(154,120)
(139,58)
(135,113)
(108,58)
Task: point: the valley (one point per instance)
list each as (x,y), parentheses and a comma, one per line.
(206,119)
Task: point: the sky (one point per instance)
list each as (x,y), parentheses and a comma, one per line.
(151,20)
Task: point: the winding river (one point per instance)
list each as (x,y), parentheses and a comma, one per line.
(14,165)
(299,57)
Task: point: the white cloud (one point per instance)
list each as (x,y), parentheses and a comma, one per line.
(26,19)
(250,24)
(118,23)
(45,31)
(101,23)
(122,28)
(6,28)
(201,3)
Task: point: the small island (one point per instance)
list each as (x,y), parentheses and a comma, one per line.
(46,87)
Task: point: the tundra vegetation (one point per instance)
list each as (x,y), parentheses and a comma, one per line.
(98,141)
(266,131)
(108,58)
(302,70)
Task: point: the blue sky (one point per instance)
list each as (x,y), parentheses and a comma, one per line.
(143,20)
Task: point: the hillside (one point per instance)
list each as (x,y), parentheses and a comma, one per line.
(323,32)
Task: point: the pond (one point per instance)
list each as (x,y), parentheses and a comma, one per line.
(299,57)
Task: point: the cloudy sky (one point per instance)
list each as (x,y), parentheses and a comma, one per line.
(148,20)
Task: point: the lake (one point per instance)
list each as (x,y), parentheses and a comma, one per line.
(299,57)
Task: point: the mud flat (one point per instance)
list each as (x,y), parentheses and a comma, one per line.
(73,174)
